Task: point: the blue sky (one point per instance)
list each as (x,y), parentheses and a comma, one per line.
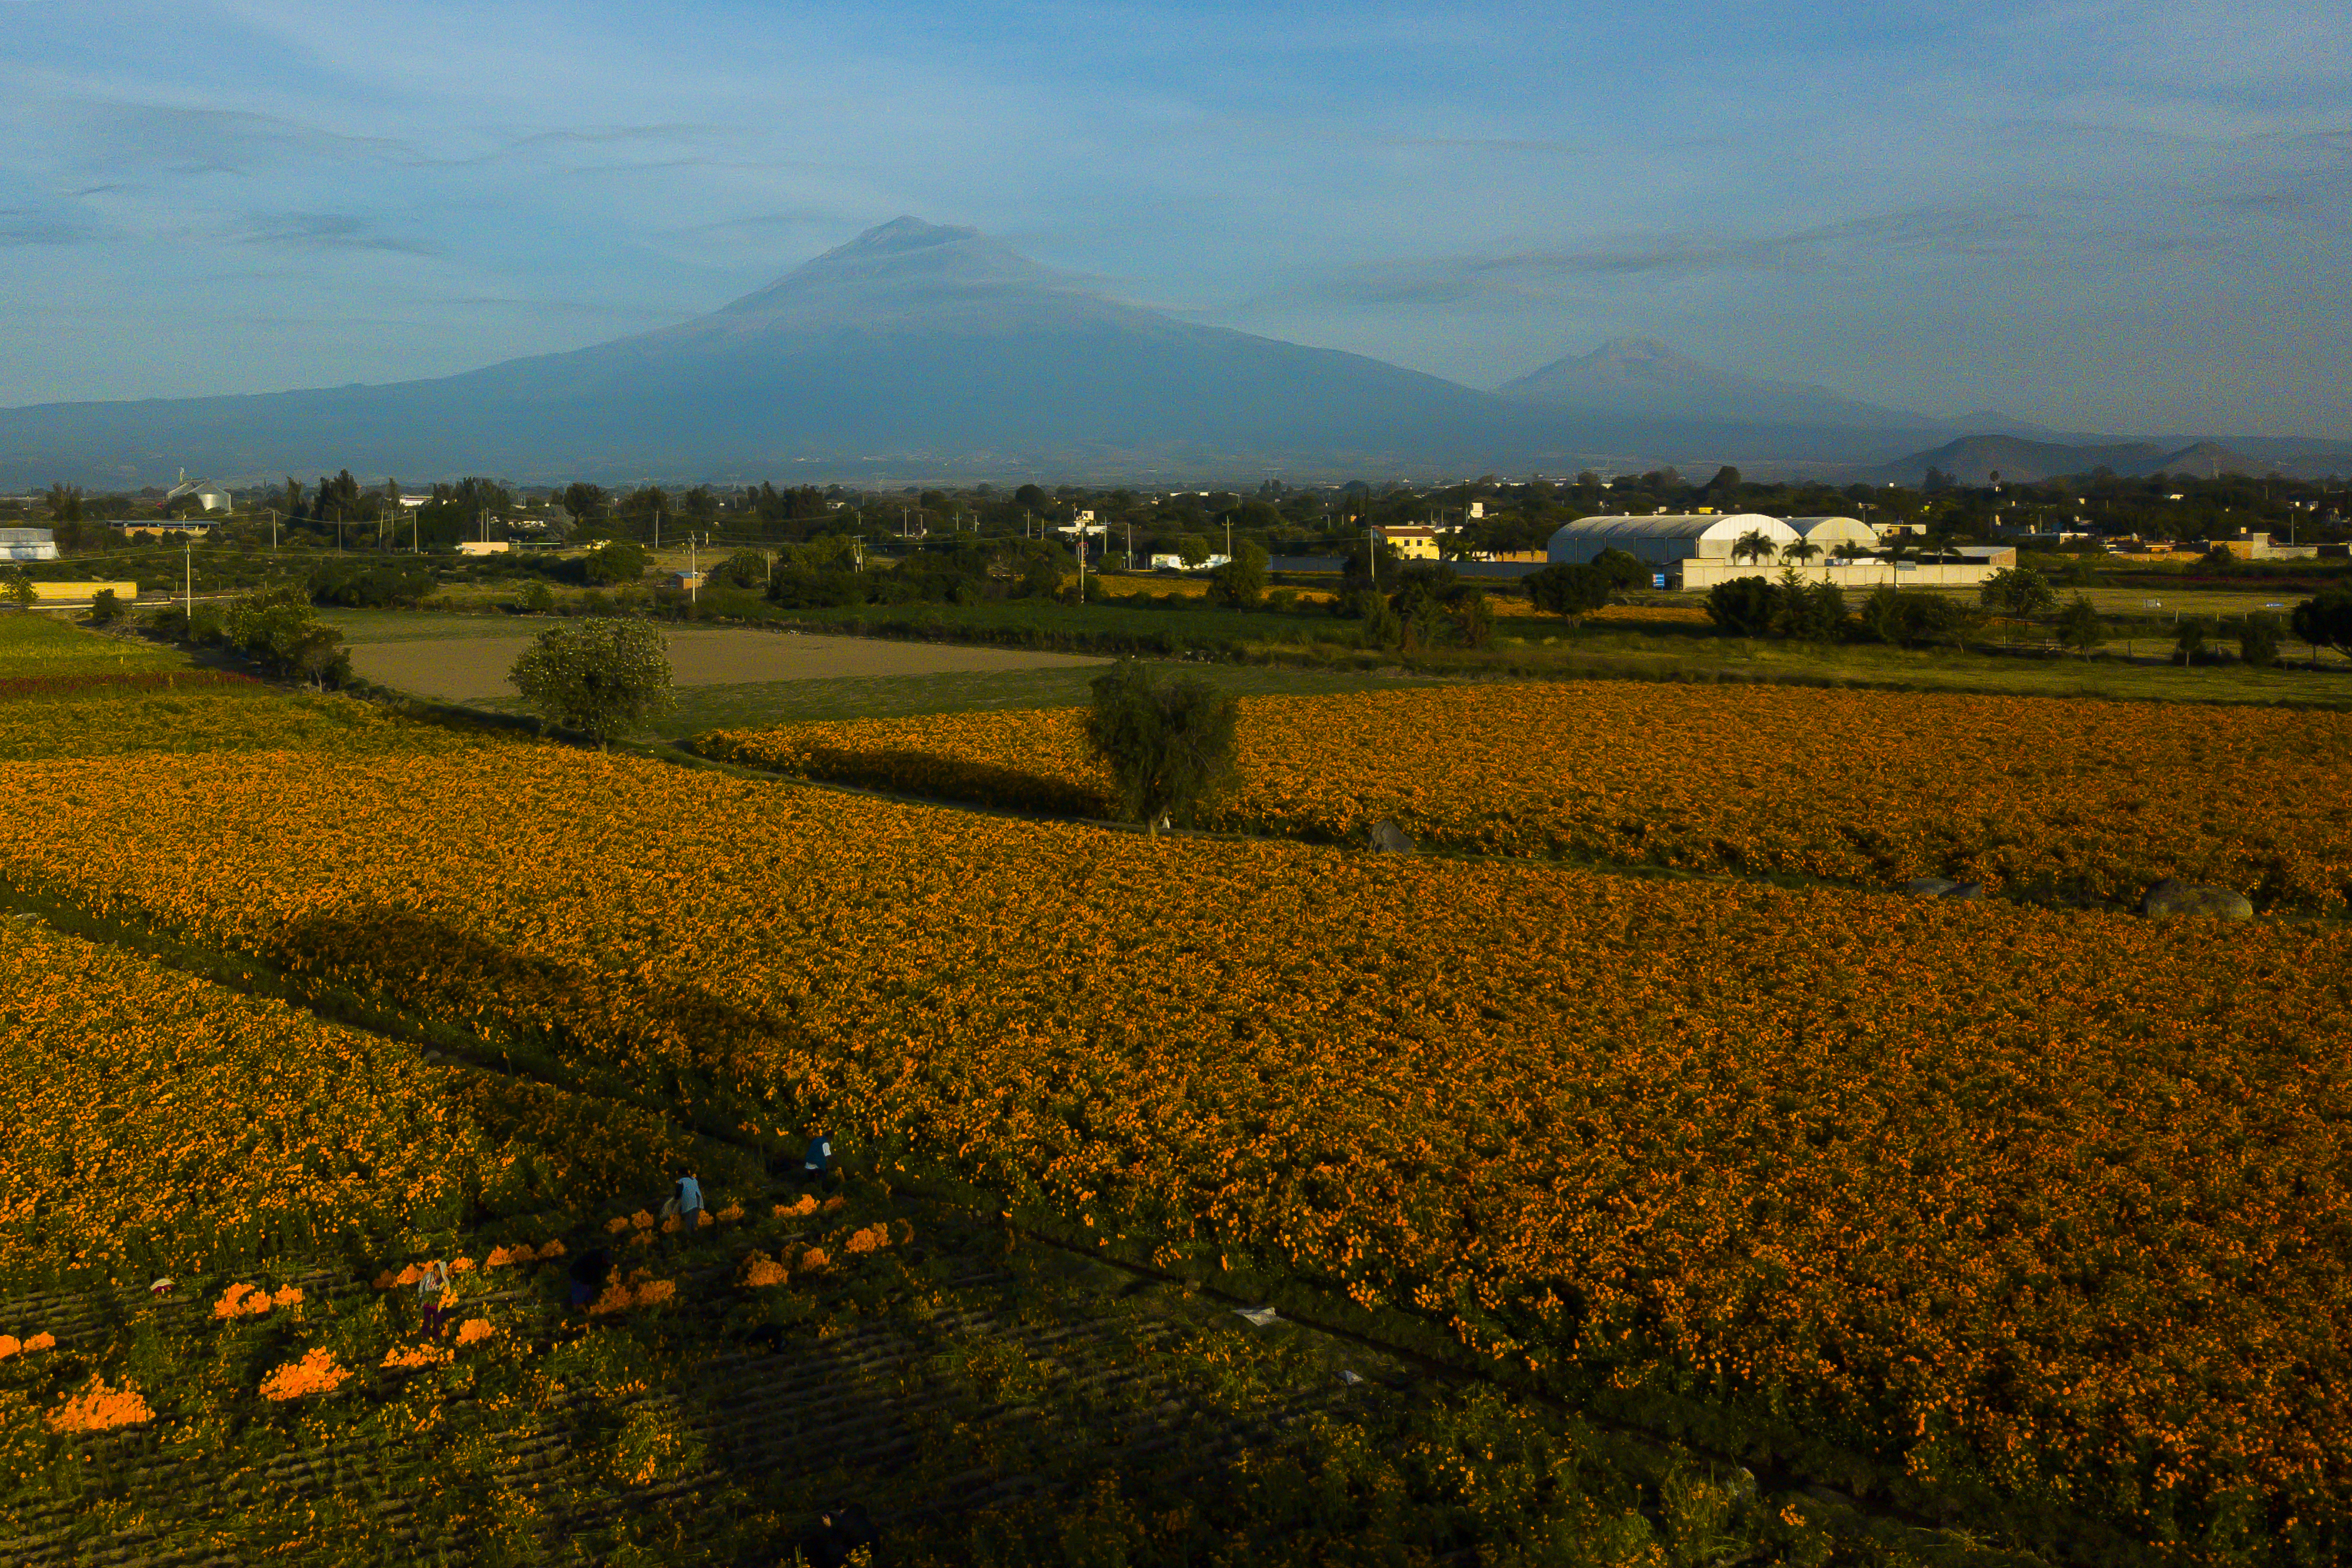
(2108,216)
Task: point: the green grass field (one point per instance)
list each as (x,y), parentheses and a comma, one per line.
(39,644)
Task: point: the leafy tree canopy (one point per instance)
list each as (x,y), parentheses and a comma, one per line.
(1169,744)
(603,677)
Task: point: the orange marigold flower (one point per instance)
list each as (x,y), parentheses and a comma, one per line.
(317,1373)
(241,1299)
(872,1239)
(761,1270)
(415,1356)
(98,1408)
(473,1330)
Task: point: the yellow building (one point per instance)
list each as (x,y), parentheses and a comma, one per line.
(1413,543)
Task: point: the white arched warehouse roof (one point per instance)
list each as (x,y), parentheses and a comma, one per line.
(1666,537)
(1831,533)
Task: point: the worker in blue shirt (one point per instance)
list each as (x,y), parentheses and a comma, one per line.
(689,1200)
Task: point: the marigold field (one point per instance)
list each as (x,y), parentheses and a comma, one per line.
(2092,798)
(2052,1201)
(159,1120)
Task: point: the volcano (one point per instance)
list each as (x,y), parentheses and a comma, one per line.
(914,346)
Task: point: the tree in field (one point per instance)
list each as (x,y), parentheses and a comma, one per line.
(1570,591)
(622,560)
(1169,744)
(602,678)
(20,589)
(1623,568)
(64,503)
(2326,622)
(2017,590)
(1474,618)
(2258,639)
(1191,550)
(1754,545)
(1801,551)
(2190,642)
(2079,626)
(1241,581)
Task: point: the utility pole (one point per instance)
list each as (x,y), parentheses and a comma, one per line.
(693,574)
(188,583)
(1082,563)
(339,531)
(273,530)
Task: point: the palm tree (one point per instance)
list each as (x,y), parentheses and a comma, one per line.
(1801,551)
(1753,545)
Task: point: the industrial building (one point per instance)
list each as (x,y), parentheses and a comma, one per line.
(28,544)
(1667,538)
(1837,537)
(1695,550)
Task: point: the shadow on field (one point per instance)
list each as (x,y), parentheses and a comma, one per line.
(907,771)
(652,1041)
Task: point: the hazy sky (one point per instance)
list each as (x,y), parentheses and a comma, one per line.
(2126,216)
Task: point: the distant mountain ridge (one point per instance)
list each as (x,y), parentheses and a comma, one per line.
(925,349)
(1978,459)
(1641,377)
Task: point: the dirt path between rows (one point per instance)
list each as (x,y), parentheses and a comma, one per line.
(474,668)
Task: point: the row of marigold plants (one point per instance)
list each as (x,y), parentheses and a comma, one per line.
(159,1121)
(2053,1201)
(2096,799)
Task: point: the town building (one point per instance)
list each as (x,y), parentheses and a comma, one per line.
(1413,543)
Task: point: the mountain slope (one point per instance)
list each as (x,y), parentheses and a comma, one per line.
(1640,377)
(1975,459)
(914,343)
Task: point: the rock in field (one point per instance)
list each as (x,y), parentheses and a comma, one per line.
(1964,890)
(1389,839)
(2173,896)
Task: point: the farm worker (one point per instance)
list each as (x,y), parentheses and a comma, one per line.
(688,1199)
(432,1291)
(818,1159)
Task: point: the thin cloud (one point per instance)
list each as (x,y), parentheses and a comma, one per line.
(516,146)
(1533,273)
(24,226)
(319,232)
(181,139)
